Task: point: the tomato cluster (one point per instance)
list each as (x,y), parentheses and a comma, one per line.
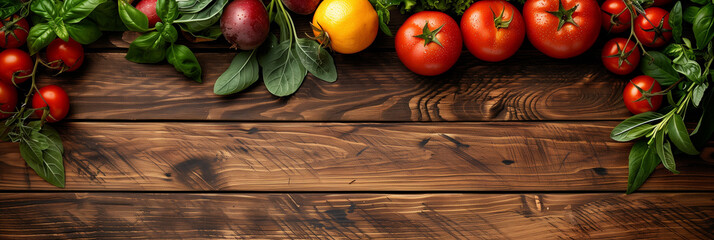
(18,67)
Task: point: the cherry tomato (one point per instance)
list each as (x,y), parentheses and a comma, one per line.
(429,43)
(564,28)
(8,100)
(633,96)
(66,55)
(57,100)
(493,30)
(13,35)
(652,29)
(620,56)
(615,16)
(14,62)
(148,8)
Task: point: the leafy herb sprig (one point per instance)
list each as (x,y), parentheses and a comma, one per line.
(63,19)
(686,69)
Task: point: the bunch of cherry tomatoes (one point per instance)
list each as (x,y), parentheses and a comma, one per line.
(429,43)
(18,67)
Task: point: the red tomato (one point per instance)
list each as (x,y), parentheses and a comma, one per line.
(652,29)
(620,56)
(148,7)
(14,35)
(615,16)
(633,97)
(57,100)
(429,43)
(8,100)
(562,29)
(14,62)
(493,30)
(66,55)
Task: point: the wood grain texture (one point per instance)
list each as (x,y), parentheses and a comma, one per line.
(371,87)
(509,156)
(357,216)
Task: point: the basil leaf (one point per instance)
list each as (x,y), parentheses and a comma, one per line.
(660,68)
(192,6)
(42,150)
(675,21)
(9,7)
(84,32)
(690,13)
(44,8)
(184,61)
(703,26)
(698,93)
(242,73)
(59,28)
(282,72)
(196,22)
(167,10)
(700,2)
(316,59)
(106,16)
(168,32)
(74,11)
(643,161)
(664,151)
(212,32)
(620,132)
(688,67)
(132,18)
(679,136)
(147,48)
(39,37)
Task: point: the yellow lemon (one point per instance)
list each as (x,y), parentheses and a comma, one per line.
(351,25)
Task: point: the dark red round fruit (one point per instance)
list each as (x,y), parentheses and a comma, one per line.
(245,24)
(14,35)
(562,28)
(8,100)
(620,56)
(148,7)
(429,52)
(633,96)
(615,16)
(493,30)
(65,55)
(652,29)
(14,62)
(54,97)
(303,7)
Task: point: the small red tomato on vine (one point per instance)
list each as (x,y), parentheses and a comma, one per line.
(620,56)
(429,43)
(640,95)
(15,63)
(54,97)
(493,30)
(652,29)
(13,32)
(67,56)
(8,100)
(615,16)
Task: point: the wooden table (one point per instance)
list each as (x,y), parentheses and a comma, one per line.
(518,149)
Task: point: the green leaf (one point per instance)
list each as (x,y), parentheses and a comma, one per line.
(700,2)
(212,32)
(382,8)
(242,73)
(84,32)
(196,22)
(679,136)
(660,68)
(42,150)
(621,132)
(184,61)
(698,93)
(282,72)
(46,9)
(690,13)
(73,11)
(285,28)
(675,21)
(167,10)
(9,7)
(39,37)
(703,26)
(132,18)
(106,16)
(316,60)
(643,161)
(192,6)
(147,48)
(690,68)
(59,28)
(168,32)
(668,160)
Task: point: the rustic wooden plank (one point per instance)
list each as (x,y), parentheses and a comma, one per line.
(371,87)
(500,156)
(357,216)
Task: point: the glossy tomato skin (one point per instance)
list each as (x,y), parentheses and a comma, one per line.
(21,28)
(615,16)
(8,100)
(647,32)
(481,36)
(14,60)
(148,7)
(570,40)
(632,94)
(68,55)
(612,53)
(56,98)
(432,59)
